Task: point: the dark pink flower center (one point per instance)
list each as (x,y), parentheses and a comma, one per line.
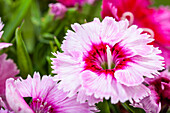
(104,58)
(40,106)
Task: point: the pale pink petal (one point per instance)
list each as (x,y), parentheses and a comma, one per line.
(4,45)
(149,103)
(15,100)
(8,69)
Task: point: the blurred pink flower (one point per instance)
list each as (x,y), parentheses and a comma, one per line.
(3,44)
(58,10)
(72,3)
(106,59)
(160,94)
(152,20)
(8,69)
(45,97)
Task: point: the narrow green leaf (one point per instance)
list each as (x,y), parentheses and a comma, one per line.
(58,44)
(132,109)
(103,107)
(23,59)
(17,18)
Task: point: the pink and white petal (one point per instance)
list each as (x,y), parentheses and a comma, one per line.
(129,76)
(7,69)
(70,105)
(111,30)
(46,86)
(4,45)
(149,103)
(82,97)
(24,86)
(15,100)
(90,82)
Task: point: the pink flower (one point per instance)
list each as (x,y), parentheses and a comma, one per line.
(58,10)
(8,69)
(152,20)
(106,59)
(45,97)
(160,94)
(3,44)
(72,3)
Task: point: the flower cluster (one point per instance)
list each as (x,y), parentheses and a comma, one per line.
(122,58)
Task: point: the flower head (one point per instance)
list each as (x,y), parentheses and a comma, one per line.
(3,44)
(106,59)
(154,21)
(58,10)
(45,97)
(160,94)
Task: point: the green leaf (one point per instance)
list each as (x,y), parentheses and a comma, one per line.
(132,109)
(16,19)
(23,59)
(103,107)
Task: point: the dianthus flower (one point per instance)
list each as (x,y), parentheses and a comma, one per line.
(72,3)
(46,98)
(160,94)
(152,20)
(58,10)
(106,59)
(3,44)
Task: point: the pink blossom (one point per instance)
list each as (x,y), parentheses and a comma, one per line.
(72,3)
(160,94)
(106,59)
(3,44)
(45,97)
(154,21)
(58,10)
(8,69)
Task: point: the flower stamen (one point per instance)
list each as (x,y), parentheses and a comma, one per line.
(150,31)
(109,57)
(130,15)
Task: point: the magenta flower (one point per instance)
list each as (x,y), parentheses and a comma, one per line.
(72,3)
(58,10)
(3,44)
(45,97)
(160,94)
(152,20)
(8,69)
(106,59)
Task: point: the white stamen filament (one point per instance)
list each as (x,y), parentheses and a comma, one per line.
(150,31)
(130,15)
(45,103)
(49,107)
(109,57)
